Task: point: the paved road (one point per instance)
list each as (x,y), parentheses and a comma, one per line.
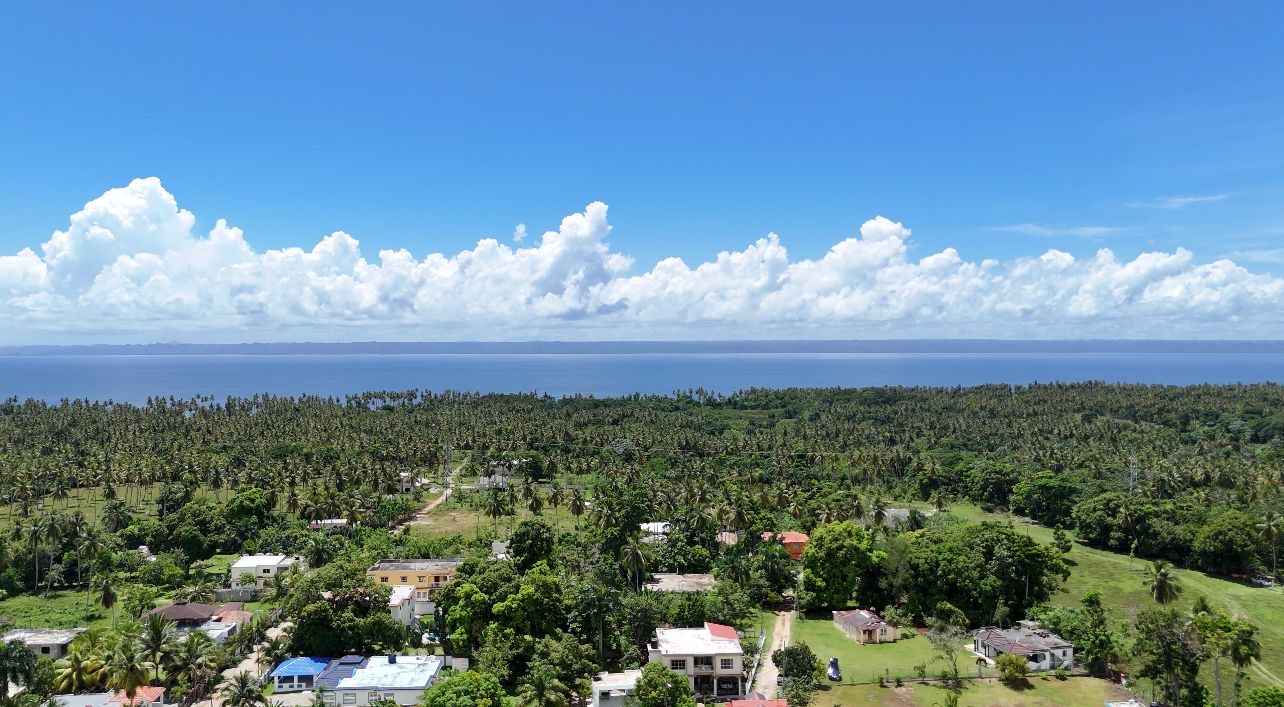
(765,682)
(250,664)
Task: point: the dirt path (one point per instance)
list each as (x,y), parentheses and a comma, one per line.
(251,662)
(421,516)
(765,682)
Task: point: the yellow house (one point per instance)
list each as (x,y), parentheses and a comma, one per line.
(426,576)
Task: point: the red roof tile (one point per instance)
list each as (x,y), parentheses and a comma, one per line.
(142,694)
(788,536)
(721,631)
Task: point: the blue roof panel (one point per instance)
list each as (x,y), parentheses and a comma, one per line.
(300,666)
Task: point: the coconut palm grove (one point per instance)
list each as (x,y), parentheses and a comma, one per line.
(1048,543)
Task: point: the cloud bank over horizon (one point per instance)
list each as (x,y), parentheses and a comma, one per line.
(130,267)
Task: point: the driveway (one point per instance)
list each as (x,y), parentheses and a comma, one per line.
(765,682)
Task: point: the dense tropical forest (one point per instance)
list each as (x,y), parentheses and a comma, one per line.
(1178,478)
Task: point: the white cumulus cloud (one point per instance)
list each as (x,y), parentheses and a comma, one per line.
(130,266)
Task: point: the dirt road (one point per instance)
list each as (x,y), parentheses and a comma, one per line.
(765,682)
(421,516)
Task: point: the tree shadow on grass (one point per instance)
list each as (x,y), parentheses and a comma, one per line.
(1018,684)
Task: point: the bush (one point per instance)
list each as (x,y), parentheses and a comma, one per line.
(1011,667)
(1060,674)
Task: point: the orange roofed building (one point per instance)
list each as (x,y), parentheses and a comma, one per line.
(794,541)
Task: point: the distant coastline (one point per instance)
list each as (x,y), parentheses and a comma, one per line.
(945,346)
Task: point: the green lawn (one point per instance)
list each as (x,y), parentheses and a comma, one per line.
(64,609)
(863,663)
(1037,692)
(1120,581)
(141,501)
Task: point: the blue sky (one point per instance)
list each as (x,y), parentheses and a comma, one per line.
(1000,130)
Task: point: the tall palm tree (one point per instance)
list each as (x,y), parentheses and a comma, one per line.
(1162,582)
(1271,525)
(542,689)
(17,666)
(633,558)
(578,506)
(245,690)
(127,669)
(157,642)
(105,589)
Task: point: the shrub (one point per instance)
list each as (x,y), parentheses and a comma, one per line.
(1011,667)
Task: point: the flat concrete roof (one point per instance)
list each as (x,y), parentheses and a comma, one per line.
(681,583)
(408,673)
(44,636)
(434,565)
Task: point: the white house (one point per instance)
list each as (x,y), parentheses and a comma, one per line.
(710,657)
(263,567)
(611,689)
(1043,649)
(51,643)
(401,603)
(400,678)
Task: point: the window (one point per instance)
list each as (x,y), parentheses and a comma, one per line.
(403,579)
(328,697)
(44,649)
(349,698)
(422,579)
(267,571)
(373,697)
(678,664)
(388,696)
(383,580)
(726,663)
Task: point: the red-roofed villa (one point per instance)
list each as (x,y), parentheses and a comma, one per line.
(794,541)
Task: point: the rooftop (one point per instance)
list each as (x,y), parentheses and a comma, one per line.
(301,666)
(788,536)
(681,583)
(626,680)
(92,699)
(860,619)
(246,562)
(146,693)
(38,636)
(1021,640)
(434,565)
(401,593)
(756,701)
(338,670)
(409,672)
(183,610)
(706,640)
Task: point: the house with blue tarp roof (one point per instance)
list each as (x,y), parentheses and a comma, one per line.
(297,674)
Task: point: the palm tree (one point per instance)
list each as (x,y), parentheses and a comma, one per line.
(535,504)
(245,690)
(1270,526)
(633,557)
(127,669)
(191,661)
(157,642)
(17,666)
(578,506)
(878,512)
(940,500)
(198,592)
(1162,582)
(105,588)
(542,689)
(78,670)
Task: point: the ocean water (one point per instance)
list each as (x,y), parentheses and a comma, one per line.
(134,378)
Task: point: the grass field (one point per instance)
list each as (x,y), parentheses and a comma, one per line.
(458,519)
(1037,692)
(64,609)
(1120,581)
(866,663)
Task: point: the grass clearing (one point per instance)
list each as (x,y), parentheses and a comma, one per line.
(61,609)
(454,518)
(1037,692)
(863,663)
(1120,579)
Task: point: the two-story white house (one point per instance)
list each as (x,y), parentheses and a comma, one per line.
(710,657)
(1041,648)
(263,568)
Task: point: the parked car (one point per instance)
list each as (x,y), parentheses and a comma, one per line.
(833,672)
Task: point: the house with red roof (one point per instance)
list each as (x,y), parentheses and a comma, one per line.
(866,626)
(145,696)
(794,541)
(709,656)
(1042,649)
(757,701)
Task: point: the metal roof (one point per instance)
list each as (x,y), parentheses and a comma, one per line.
(303,665)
